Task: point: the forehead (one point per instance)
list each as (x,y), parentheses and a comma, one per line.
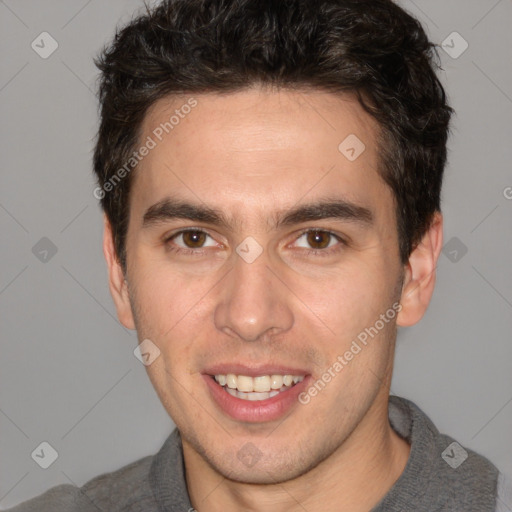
(258,151)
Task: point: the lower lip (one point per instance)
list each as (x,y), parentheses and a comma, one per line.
(257,411)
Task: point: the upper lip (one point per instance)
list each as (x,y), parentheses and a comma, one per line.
(253,370)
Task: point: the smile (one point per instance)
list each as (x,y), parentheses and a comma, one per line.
(257,388)
(255,398)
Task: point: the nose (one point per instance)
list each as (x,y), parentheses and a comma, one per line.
(254,303)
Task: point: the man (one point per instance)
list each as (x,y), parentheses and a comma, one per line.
(270,174)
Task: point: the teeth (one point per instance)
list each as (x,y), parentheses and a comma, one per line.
(230,381)
(244,383)
(231,391)
(276,381)
(261,384)
(268,385)
(252,396)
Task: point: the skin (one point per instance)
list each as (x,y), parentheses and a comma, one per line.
(254,154)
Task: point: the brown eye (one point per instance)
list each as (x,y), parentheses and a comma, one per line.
(194,239)
(319,242)
(318,239)
(190,241)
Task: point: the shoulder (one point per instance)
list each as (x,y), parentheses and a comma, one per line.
(125,489)
(441,474)
(471,478)
(59,499)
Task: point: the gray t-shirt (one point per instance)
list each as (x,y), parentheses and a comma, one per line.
(440,476)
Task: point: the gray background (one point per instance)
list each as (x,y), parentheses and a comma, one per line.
(68,373)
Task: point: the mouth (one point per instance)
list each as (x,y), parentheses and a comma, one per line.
(255,396)
(257,388)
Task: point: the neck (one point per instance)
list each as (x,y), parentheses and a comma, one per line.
(355,477)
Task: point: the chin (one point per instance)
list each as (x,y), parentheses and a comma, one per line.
(250,466)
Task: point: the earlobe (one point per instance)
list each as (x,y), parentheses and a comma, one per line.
(117,282)
(420,274)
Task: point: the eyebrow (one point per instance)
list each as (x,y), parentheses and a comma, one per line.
(338,209)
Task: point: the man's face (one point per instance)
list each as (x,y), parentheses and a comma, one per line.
(251,296)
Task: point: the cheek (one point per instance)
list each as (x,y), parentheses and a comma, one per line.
(166,297)
(345,299)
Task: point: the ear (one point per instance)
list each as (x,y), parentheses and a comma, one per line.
(420,274)
(116,279)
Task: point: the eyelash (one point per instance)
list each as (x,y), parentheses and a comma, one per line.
(314,252)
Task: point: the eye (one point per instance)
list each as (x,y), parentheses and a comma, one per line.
(189,240)
(319,241)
